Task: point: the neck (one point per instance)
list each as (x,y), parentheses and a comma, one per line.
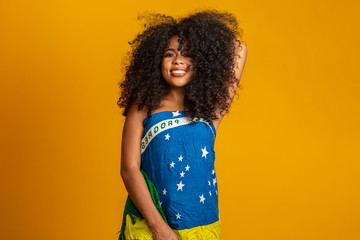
(176,96)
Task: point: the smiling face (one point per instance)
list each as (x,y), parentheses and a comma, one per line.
(176,66)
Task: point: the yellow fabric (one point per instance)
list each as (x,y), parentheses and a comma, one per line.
(141,231)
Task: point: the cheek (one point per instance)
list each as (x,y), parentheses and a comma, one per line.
(192,69)
(163,66)
(190,64)
(164,71)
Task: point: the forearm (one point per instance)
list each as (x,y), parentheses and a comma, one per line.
(240,59)
(140,195)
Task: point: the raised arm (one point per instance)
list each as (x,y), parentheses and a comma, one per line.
(239,59)
(133,179)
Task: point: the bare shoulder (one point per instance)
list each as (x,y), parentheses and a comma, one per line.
(131,138)
(136,115)
(133,126)
(220,118)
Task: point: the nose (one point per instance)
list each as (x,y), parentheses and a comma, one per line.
(178,60)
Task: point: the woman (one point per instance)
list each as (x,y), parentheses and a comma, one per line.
(182,77)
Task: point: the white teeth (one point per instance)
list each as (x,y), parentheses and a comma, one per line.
(178,71)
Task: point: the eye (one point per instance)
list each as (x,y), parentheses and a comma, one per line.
(168,55)
(186,55)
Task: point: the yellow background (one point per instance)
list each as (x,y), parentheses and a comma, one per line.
(287,154)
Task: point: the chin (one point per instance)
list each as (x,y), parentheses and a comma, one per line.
(182,84)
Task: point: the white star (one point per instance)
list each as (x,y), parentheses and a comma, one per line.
(187,168)
(182,174)
(210,193)
(204,152)
(175,114)
(216,192)
(164,192)
(167,136)
(172,164)
(160,204)
(214,181)
(213,172)
(180,186)
(178,216)
(180,158)
(209,183)
(202,199)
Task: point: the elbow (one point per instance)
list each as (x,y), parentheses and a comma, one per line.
(128,172)
(124,173)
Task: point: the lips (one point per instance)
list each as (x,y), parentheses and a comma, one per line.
(177,72)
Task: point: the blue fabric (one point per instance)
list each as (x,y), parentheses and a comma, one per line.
(178,158)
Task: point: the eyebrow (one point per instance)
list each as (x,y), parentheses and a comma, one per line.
(169,49)
(172,49)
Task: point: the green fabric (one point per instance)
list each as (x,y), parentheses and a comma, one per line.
(129,206)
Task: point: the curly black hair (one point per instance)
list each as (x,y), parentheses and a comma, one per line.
(208,36)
